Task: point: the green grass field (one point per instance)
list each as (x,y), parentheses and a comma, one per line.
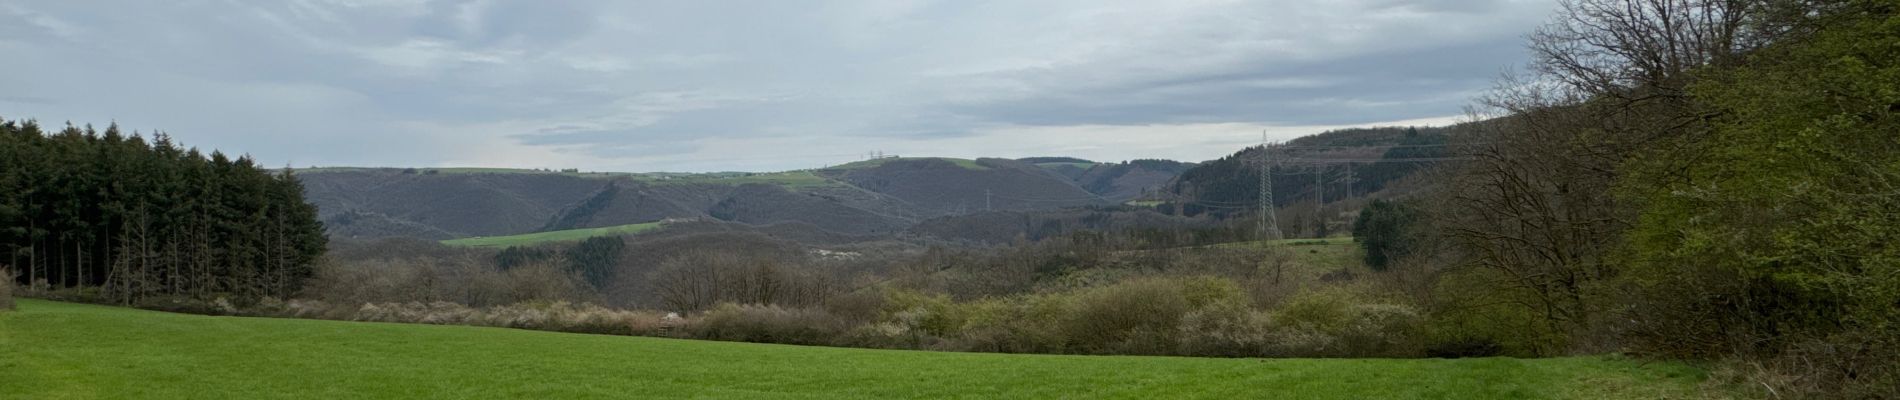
(551,236)
(961,162)
(51,350)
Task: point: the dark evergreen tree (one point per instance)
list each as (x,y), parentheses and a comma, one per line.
(80,208)
(594,258)
(1384,229)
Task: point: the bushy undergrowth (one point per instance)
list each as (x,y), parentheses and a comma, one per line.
(1064,297)
(551,316)
(1202,316)
(1199,316)
(428,280)
(766,324)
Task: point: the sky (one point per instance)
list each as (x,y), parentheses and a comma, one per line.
(612,85)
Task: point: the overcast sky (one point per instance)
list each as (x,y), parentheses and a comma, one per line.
(753,85)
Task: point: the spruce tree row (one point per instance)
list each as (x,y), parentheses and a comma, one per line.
(125,218)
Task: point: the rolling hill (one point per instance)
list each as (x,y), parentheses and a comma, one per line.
(878,197)
(875,197)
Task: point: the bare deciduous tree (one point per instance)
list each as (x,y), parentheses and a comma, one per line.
(1537,203)
(698,280)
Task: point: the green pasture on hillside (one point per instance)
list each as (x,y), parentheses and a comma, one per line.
(551,236)
(51,350)
(961,162)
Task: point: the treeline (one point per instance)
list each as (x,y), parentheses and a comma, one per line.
(1693,179)
(115,216)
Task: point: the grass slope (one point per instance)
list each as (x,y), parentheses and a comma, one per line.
(961,162)
(551,236)
(52,350)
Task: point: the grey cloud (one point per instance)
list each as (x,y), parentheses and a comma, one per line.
(315,80)
(1443,6)
(1391,86)
(612,144)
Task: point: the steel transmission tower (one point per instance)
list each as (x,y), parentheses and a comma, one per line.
(1269,223)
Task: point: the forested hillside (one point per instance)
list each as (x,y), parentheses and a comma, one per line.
(1130,180)
(1115,182)
(879,197)
(1331,165)
(91,209)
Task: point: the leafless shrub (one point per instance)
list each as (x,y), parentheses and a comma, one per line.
(1855,365)
(558,316)
(698,280)
(1226,329)
(1341,323)
(1138,317)
(463,280)
(1020,324)
(858,306)
(767,324)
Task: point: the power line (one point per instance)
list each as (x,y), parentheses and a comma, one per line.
(1349,179)
(1269,223)
(1319,194)
(1075,199)
(1247,207)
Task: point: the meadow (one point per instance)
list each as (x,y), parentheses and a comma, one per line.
(52,350)
(961,162)
(551,236)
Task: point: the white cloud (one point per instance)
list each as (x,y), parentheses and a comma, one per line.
(430,54)
(765,85)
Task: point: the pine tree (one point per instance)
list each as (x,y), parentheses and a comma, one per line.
(81,208)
